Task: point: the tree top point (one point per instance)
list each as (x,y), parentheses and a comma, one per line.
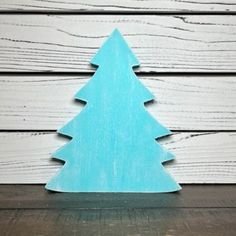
(115,50)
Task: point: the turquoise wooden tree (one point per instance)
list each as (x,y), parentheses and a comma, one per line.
(113,146)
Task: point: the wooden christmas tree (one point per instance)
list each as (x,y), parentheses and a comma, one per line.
(113,145)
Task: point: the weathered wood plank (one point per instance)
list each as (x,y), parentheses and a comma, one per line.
(193,43)
(118,222)
(200,157)
(182,102)
(120,6)
(191,196)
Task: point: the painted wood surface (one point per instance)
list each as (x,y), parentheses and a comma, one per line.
(202,157)
(166,43)
(28,196)
(120,6)
(182,102)
(114,114)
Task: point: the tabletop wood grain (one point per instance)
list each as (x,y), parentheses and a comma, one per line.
(173,222)
(196,210)
(31,196)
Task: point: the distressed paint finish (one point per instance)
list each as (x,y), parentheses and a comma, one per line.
(113,146)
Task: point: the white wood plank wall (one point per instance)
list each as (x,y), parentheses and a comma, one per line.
(187,51)
(203,157)
(182,102)
(120,5)
(166,43)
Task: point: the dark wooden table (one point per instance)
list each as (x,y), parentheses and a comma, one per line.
(196,210)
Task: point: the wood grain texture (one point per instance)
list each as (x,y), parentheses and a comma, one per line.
(120,5)
(191,196)
(145,222)
(182,102)
(200,157)
(193,43)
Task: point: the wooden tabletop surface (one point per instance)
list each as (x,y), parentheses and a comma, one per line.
(196,210)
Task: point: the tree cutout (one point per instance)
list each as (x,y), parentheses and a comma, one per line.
(113,146)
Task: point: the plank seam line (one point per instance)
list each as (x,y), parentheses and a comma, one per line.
(53,131)
(77,12)
(63,73)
